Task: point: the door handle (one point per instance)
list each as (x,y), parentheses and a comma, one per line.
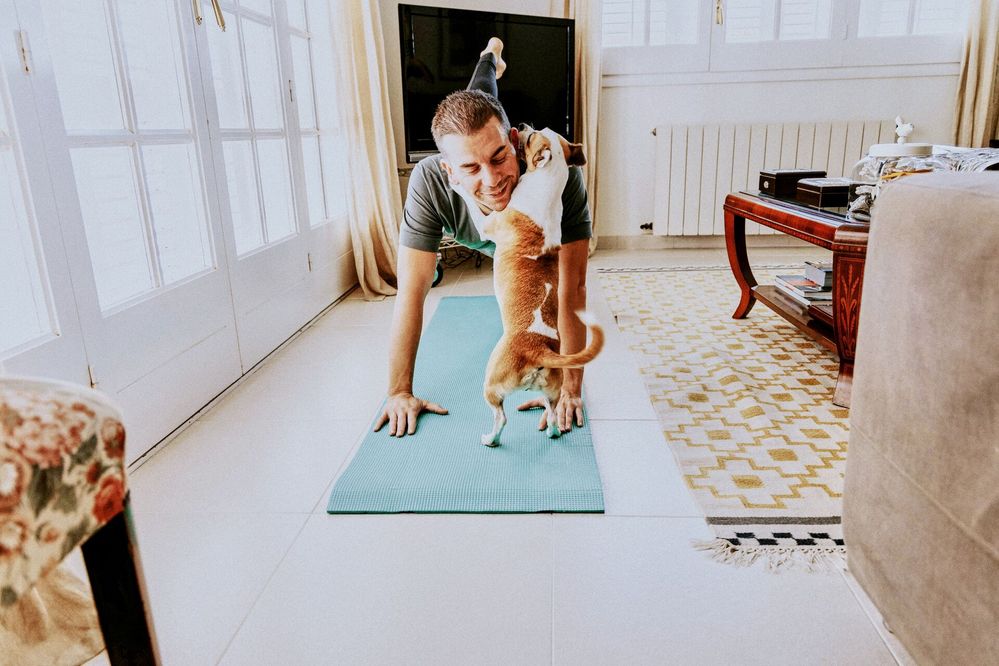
(218,14)
(197,11)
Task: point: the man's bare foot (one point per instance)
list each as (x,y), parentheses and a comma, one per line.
(495,46)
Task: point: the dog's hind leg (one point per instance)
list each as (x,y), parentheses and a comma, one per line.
(495,400)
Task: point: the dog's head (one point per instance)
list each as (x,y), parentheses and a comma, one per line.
(536,147)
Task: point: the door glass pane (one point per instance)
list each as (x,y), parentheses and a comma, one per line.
(84,66)
(176,201)
(303,82)
(105,181)
(262,73)
(313,180)
(296,14)
(155,63)
(323,75)
(227,75)
(276,184)
(243,200)
(23,305)
(262,6)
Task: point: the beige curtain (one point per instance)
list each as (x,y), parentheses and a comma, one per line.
(977,118)
(373,184)
(588,21)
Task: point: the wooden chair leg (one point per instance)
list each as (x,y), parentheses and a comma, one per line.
(115,573)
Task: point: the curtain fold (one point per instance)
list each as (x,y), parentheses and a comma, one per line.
(586,13)
(977,117)
(375,199)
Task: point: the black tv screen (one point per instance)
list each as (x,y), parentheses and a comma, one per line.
(441,46)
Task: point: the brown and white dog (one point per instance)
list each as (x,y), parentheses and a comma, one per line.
(528,234)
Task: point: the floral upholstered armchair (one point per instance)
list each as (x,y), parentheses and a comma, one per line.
(62,485)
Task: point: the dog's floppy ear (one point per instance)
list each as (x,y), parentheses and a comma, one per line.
(573,153)
(541,158)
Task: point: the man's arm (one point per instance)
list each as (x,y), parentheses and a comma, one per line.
(402,408)
(571,331)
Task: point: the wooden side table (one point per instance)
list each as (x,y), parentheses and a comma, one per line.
(834,324)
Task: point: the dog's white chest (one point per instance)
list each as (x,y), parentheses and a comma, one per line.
(538,195)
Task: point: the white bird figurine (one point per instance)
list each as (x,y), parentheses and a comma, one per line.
(902,129)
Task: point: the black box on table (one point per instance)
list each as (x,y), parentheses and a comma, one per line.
(823,192)
(783,182)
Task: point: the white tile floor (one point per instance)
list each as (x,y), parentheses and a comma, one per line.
(244,566)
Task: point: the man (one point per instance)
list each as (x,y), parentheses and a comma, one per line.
(478,152)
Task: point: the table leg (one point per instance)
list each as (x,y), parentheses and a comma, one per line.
(112,558)
(735,244)
(848,281)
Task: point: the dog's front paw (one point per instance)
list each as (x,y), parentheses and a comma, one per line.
(490,439)
(553,431)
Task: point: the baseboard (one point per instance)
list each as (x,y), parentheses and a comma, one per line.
(650,242)
(898,651)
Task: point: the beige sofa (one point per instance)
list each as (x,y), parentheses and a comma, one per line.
(921,502)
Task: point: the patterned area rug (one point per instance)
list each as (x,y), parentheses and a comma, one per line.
(746,406)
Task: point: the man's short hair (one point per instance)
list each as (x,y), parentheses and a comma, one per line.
(465,112)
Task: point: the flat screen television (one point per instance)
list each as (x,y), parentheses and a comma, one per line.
(440,47)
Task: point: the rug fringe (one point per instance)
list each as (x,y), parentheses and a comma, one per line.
(777,558)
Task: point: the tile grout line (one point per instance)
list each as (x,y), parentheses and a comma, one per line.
(551,631)
(263,588)
(340,469)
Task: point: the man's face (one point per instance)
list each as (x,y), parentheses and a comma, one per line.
(484,163)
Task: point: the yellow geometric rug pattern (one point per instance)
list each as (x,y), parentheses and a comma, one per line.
(746,406)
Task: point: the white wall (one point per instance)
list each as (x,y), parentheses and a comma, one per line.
(631,106)
(628,114)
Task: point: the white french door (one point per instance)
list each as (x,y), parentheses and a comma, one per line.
(39,328)
(143,236)
(321,143)
(172,196)
(248,97)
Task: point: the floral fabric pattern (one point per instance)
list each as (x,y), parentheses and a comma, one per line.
(62,476)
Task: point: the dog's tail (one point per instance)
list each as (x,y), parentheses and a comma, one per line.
(550,359)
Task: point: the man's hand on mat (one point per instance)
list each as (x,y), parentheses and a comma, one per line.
(401,412)
(568,407)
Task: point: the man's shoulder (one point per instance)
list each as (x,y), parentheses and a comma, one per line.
(575,185)
(429,171)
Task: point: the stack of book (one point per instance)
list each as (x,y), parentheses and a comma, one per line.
(813,286)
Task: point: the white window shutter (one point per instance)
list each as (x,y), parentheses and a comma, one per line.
(623,22)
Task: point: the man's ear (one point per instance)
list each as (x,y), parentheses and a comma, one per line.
(447,170)
(573,153)
(515,138)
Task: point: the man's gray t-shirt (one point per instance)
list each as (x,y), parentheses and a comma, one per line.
(433,208)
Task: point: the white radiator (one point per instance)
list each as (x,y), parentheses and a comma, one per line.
(697,165)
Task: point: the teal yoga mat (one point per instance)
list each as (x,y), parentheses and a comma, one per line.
(444,468)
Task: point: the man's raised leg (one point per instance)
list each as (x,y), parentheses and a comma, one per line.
(489,68)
